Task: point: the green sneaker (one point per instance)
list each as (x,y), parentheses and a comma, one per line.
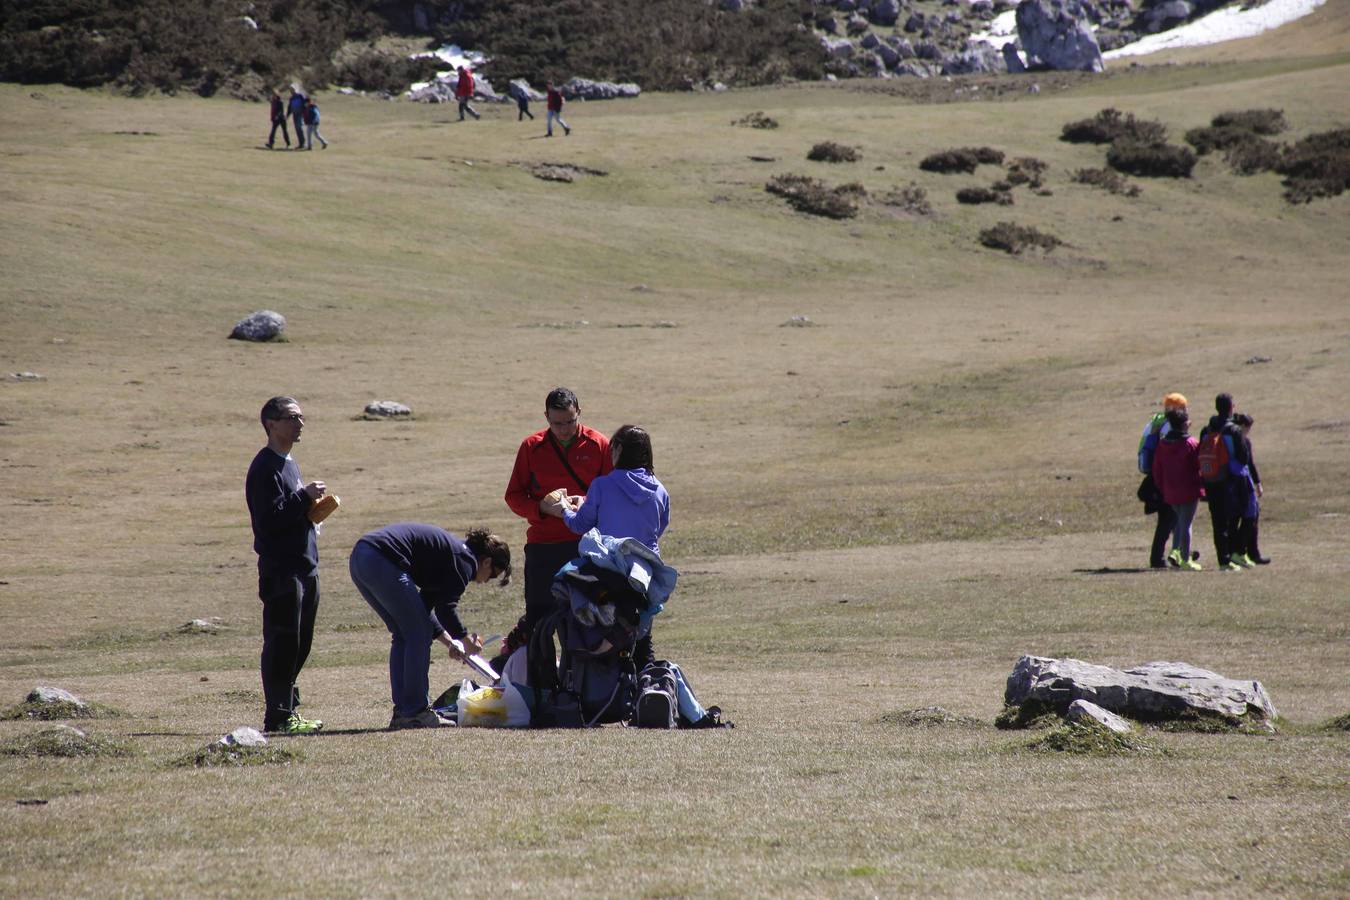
(1243,560)
(1230,566)
(297,725)
(1174,559)
(1191,565)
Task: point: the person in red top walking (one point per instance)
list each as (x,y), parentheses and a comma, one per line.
(566,455)
(555,105)
(1176,472)
(464,93)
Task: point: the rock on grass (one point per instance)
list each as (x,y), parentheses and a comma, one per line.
(64,741)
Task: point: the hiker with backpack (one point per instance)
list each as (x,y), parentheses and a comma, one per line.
(1223,460)
(1176,471)
(1148,494)
(413,576)
(1249,492)
(464,88)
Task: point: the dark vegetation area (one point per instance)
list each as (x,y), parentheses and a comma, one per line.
(1315,167)
(976,195)
(961,159)
(829,151)
(1107,181)
(1151,160)
(756,119)
(811,195)
(204,47)
(1013,238)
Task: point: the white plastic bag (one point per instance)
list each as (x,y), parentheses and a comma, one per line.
(491,707)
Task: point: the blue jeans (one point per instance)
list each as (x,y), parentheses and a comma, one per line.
(391,593)
(1181,532)
(690,709)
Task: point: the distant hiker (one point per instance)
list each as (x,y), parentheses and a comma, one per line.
(288,563)
(565,455)
(296,108)
(278,121)
(413,575)
(1148,490)
(312,123)
(523,105)
(1223,460)
(1176,471)
(464,93)
(1250,492)
(555,105)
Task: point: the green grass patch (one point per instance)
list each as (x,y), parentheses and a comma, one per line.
(929,717)
(1340,723)
(214,756)
(1080,739)
(64,741)
(62,709)
(1033,715)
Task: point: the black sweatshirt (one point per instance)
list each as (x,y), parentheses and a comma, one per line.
(440,565)
(283,536)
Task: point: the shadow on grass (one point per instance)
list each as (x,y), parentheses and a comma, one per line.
(1109,570)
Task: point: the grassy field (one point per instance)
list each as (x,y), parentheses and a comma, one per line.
(872,514)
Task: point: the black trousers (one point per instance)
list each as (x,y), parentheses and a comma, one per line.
(1167,520)
(299,121)
(290,605)
(279,123)
(1223,520)
(542,562)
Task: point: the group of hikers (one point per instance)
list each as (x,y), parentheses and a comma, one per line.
(592,571)
(303,111)
(1180,469)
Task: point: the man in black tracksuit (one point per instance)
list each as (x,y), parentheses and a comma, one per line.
(288,563)
(1222,499)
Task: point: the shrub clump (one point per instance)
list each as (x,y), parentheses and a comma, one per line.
(1253,155)
(929,717)
(1110,125)
(976,195)
(64,741)
(222,755)
(1340,723)
(375,71)
(829,151)
(1317,166)
(1083,739)
(811,195)
(756,119)
(1151,160)
(911,199)
(61,709)
(1013,238)
(1256,121)
(1032,714)
(1027,170)
(1107,181)
(961,159)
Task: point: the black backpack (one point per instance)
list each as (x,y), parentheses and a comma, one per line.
(582,672)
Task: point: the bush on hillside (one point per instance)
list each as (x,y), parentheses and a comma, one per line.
(961,159)
(912,199)
(756,119)
(1111,125)
(375,71)
(1151,160)
(976,195)
(1027,170)
(829,151)
(1253,156)
(1317,166)
(1257,121)
(811,195)
(1107,181)
(1013,238)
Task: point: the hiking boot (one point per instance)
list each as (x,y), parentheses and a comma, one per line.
(1260,560)
(426,718)
(298,725)
(1191,565)
(1230,566)
(567,132)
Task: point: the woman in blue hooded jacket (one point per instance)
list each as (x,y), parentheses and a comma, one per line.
(629,501)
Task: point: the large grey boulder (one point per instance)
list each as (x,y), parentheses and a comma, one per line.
(884,12)
(1055,36)
(521,88)
(585,89)
(1150,691)
(837,48)
(889,55)
(264,325)
(978,59)
(1013,59)
(387,409)
(1167,15)
(243,736)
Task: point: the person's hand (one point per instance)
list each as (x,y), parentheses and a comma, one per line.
(1260,492)
(574,501)
(315,489)
(462,648)
(552,503)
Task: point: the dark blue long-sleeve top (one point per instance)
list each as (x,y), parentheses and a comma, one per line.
(439,563)
(283,536)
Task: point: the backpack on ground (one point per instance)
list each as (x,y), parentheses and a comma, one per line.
(1214,454)
(580,656)
(1148,442)
(657,705)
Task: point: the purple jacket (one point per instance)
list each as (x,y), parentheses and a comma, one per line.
(624,503)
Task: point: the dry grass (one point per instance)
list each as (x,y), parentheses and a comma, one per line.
(879,513)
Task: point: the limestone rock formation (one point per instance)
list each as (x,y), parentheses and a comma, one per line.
(1055,35)
(264,325)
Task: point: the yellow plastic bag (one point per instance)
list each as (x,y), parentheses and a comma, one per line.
(492,707)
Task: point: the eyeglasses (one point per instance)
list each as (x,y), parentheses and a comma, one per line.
(293,417)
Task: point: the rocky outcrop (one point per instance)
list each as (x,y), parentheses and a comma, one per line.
(585,89)
(1054,35)
(1156,690)
(264,325)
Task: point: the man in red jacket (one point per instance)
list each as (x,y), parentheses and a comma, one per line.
(568,455)
(464,93)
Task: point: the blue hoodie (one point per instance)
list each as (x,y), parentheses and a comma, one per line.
(625,503)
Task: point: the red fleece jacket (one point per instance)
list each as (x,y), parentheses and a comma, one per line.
(538,471)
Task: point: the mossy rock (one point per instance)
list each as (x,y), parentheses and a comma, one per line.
(1084,739)
(64,741)
(219,755)
(61,709)
(1029,715)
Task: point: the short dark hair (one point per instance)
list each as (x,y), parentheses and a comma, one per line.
(1178,419)
(1223,404)
(561,398)
(483,544)
(635,448)
(272,409)
(1242,420)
